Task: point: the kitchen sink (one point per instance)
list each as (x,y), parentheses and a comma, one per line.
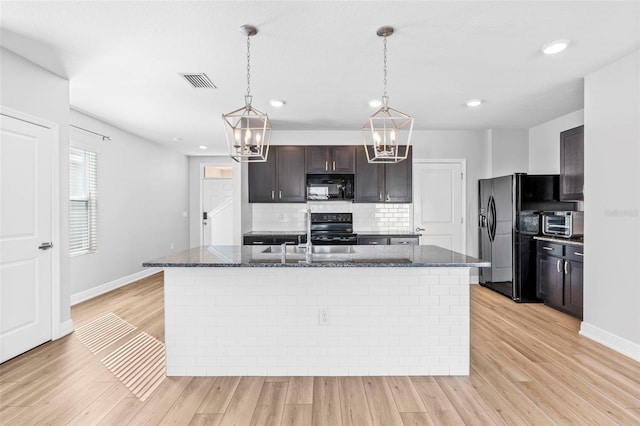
(314,249)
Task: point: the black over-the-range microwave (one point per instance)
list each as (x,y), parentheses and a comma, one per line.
(330,187)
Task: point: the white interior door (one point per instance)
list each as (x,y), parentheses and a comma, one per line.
(25,226)
(438,204)
(217,203)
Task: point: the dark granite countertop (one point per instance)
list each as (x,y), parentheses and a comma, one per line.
(274,233)
(568,241)
(389,234)
(360,256)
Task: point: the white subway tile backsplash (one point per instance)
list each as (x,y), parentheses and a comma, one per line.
(367,218)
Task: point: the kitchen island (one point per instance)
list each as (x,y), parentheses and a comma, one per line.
(343,310)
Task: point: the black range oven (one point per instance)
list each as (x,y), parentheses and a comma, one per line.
(332,229)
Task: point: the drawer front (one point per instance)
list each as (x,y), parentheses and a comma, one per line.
(575,253)
(258,240)
(407,241)
(552,249)
(289,239)
(373,241)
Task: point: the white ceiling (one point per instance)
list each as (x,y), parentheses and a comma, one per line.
(123,58)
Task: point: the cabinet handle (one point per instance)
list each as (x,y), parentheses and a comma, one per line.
(326,165)
(258,242)
(403,242)
(558,265)
(547,248)
(373,243)
(577,253)
(566,268)
(334,166)
(388,197)
(273,195)
(280,195)
(380,195)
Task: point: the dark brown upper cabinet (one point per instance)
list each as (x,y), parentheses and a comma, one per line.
(572,164)
(337,159)
(382,183)
(281,179)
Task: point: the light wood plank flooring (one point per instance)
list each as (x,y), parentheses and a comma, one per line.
(528,366)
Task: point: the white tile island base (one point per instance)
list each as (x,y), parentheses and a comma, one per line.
(248,321)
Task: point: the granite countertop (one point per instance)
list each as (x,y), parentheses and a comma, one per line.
(361,234)
(361,256)
(568,241)
(274,233)
(386,234)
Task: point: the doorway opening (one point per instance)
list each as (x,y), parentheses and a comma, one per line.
(217,205)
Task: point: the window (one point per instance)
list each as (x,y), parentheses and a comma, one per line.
(83,227)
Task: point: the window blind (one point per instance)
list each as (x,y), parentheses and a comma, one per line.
(83,203)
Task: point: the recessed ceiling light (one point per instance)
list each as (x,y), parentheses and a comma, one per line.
(554,47)
(277,103)
(473,103)
(203,147)
(375,103)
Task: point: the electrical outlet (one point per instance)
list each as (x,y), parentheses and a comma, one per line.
(323,316)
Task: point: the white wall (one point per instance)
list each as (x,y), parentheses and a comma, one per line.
(544,142)
(509,151)
(612,206)
(142,206)
(30,89)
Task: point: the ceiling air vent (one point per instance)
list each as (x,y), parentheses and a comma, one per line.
(198,81)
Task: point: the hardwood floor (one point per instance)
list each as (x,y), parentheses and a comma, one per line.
(528,366)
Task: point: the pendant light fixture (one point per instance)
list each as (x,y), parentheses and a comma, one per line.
(248,130)
(387,133)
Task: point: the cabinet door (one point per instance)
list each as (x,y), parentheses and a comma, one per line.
(572,164)
(342,159)
(290,174)
(262,180)
(398,185)
(369,185)
(550,279)
(573,294)
(318,159)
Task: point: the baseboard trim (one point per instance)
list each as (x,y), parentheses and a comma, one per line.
(610,340)
(112,285)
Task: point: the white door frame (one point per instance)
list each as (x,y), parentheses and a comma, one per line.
(463,166)
(57,330)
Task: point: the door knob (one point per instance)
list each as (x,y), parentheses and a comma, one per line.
(419,229)
(45,246)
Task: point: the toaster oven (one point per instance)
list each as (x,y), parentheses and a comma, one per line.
(565,224)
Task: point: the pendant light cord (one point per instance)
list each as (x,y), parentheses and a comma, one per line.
(248,65)
(384,42)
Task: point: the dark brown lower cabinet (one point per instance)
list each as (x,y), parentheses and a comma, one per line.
(560,277)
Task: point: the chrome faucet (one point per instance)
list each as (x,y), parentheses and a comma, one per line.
(309,246)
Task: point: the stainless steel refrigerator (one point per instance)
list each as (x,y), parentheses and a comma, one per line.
(509,218)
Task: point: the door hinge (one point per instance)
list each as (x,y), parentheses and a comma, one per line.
(461,175)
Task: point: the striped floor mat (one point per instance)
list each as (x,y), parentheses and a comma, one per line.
(101,332)
(139,364)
